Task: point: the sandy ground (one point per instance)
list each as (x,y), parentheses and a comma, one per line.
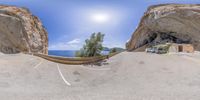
(127,76)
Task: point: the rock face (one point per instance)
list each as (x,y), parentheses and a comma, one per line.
(174,23)
(20,31)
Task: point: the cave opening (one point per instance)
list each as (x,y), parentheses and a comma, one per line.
(156,38)
(151,38)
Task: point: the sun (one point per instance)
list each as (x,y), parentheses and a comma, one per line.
(100,17)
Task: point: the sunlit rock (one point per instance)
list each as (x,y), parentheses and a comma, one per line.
(176,23)
(20,31)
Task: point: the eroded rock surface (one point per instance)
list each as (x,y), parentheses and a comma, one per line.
(176,23)
(20,31)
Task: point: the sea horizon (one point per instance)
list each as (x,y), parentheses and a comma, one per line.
(69,53)
(64,53)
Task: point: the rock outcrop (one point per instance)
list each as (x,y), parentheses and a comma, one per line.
(175,23)
(20,31)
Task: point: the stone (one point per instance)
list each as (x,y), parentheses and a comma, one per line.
(174,23)
(20,31)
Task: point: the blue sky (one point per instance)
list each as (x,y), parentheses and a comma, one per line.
(70,22)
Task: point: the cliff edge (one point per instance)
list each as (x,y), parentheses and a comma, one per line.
(20,31)
(176,23)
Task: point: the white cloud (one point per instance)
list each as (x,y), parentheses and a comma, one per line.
(74,41)
(74,44)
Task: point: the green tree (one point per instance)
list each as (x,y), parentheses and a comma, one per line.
(113,50)
(92,47)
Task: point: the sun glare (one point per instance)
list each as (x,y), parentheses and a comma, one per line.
(100,18)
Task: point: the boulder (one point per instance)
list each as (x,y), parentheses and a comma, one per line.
(20,31)
(176,23)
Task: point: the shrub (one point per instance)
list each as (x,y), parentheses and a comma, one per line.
(92,47)
(113,50)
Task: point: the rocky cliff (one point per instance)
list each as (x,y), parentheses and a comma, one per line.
(20,31)
(175,23)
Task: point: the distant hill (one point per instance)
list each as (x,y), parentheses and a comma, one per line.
(106,49)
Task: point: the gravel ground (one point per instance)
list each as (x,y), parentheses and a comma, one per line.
(127,76)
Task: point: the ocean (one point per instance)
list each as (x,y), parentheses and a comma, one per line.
(68,53)
(64,53)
